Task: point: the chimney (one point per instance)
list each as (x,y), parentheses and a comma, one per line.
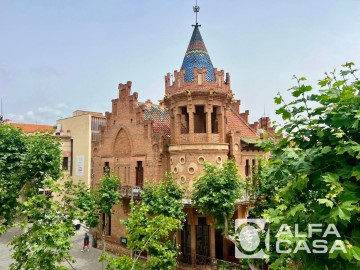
(245,116)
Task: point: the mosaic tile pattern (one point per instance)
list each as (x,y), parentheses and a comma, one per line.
(160,117)
(197,56)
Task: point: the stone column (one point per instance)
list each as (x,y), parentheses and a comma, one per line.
(221,124)
(190,110)
(212,238)
(193,243)
(177,125)
(208,122)
(173,124)
(226,249)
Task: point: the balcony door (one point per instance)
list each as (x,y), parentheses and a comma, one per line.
(202,238)
(139,174)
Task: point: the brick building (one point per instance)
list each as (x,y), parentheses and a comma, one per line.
(198,120)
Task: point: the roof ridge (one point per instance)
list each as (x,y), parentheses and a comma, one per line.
(239,116)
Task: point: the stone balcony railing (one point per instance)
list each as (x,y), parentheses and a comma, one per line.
(245,198)
(46,192)
(199,138)
(130,192)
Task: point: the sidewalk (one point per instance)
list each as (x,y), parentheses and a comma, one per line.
(84,260)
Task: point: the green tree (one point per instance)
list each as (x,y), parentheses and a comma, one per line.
(164,198)
(312,176)
(46,239)
(25,162)
(93,204)
(216,192)
(27,165)
(150,233)
(152,221)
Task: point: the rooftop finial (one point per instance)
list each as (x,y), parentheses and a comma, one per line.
(196,10)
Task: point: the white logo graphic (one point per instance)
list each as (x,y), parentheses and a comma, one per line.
(248,235)
(253,238)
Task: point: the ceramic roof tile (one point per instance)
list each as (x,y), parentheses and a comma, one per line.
(198,57)
(236,123)
(32,128)
(160,117)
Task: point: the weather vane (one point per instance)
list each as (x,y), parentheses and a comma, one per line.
(196,10)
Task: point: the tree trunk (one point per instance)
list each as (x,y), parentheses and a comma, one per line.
(226,231)
(103,241)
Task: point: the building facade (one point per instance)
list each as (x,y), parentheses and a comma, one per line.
(77,134)
(198,120)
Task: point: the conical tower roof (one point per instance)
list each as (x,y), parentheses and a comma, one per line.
(198,57)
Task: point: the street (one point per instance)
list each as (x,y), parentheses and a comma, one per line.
(84,260)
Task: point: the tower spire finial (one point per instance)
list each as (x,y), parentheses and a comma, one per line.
(196,9)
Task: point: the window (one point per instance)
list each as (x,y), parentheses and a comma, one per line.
(106,168)
(200,119)
(184,120)
(202,238)
(186,239)
(214,120)
(247,168)
(65,163)
(139,174)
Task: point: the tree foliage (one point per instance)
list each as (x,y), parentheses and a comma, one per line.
(92,203)
(46,238)
(313,174)
(216,192)
(25,162)
(150,225)
(164,198)
(150,233)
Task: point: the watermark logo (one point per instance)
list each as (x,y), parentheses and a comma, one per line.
(254,239)
(249,233)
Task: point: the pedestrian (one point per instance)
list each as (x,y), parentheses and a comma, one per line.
(86,242)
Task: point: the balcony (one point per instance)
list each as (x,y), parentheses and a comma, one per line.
(130,192)
(246,197)
(199,138)
(46,192)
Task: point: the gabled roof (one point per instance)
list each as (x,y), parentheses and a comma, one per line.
(236,123)
(32,128)
(198,57)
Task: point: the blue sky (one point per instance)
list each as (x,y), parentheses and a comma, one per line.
(62,55)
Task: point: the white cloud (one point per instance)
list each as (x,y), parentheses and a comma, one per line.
(43,114)
(30,114)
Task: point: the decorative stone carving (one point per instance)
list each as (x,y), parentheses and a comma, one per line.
(192,168)
(182,160)
(201,159)
(236,147)
(155,148)
(182,179)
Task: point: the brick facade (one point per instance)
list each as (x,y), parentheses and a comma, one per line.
(198,120)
